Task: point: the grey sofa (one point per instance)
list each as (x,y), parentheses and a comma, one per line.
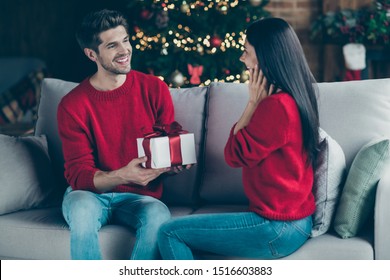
(351,112)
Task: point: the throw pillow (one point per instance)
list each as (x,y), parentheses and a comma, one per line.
(329,175)
(26,180)
(358,196)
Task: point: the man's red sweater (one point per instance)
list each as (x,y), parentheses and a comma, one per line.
(98,129)
(276,175)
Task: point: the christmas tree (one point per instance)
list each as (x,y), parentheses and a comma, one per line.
(188,43)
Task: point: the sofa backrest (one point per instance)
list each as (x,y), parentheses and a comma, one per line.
(351,112)
(355,112)
(189,112)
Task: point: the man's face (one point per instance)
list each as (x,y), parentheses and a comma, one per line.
(115,51)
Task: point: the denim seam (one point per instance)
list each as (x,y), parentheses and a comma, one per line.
(271,247)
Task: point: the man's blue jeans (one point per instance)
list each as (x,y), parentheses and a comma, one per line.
(245,234)
(86,212)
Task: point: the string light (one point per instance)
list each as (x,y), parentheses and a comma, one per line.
(181,38)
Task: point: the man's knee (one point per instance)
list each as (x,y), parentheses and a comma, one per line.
(156,211)
(82,211)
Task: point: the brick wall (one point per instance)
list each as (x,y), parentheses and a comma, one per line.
(300,14)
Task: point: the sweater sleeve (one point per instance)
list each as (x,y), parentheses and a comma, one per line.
(266,132)
(79,161)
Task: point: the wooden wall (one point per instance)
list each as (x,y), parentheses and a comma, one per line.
(300,14)
(45,29)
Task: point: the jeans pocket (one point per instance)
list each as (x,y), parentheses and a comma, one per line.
(290,237)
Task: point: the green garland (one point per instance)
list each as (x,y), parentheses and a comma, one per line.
(367,25)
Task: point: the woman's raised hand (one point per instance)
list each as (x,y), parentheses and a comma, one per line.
(258,86)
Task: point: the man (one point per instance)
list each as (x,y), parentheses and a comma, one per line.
(99,122)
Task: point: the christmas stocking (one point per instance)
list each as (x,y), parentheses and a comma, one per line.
(355,61)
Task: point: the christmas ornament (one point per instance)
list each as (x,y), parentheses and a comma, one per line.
(146,14)
(223,7)
(162,19)
(255,3)
(200,49)
(216,41)
(195,72)
(185,8)
(177,78)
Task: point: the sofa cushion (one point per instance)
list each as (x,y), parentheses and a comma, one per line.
(43,234)
(189,106)
(26,179)
(358,195)
(189,112)
(222,183)
(328,177)
(51,94)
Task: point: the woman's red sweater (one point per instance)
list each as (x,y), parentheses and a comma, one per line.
(277,177)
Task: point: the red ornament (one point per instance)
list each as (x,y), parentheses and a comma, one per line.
(216,41)
(146,14)
(195,72)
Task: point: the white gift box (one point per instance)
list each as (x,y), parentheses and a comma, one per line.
(161,150)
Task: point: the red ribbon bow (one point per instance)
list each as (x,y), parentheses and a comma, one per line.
(173,132)
(171,129)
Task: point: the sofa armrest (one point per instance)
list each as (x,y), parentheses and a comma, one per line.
(382,217)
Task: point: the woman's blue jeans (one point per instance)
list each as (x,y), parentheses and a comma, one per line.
(86,212)
(246,235)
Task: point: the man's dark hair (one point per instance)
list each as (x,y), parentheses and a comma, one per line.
(95,23)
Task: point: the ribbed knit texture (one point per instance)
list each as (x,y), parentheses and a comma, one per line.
(98,129)
(277,179)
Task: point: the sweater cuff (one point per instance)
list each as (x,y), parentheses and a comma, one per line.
(85,181)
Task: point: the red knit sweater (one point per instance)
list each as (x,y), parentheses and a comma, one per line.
(277,179)
(98,129)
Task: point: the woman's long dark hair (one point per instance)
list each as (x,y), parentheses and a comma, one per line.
(281,58)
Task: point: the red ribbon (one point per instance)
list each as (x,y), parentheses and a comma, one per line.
(173,132)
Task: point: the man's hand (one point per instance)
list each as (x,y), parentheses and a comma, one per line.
(180,168)
(133,172)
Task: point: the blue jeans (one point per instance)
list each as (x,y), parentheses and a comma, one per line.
(246,235)
(86,212)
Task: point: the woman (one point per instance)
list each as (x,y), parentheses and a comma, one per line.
(275,144)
